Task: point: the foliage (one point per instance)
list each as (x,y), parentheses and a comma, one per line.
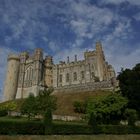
(7,107)
(37,128)
(45,100)
(131,116)
(21,127)
(29,107)
(80,107)
(46,104)
(3,113)
(129,83)
(107,109)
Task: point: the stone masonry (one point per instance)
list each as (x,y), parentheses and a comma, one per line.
(28,74)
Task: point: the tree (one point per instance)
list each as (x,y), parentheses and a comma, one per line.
(131,116)
(29,107)
(129,83)
(107,109)
(80,106)
(46,104)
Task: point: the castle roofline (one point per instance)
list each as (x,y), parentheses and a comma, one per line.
(13,56)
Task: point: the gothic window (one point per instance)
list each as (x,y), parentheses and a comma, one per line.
(92,75)
(67,77)
(75,76)
(60,78)
(32,73)
(82,75)
(28,74)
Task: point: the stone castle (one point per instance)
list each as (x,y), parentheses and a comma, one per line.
(28,74)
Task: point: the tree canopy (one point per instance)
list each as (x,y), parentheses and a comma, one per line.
(129,83)
(108,108)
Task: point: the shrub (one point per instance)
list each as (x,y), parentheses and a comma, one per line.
(80,107)
(38,128)
(131,115)
(3,113)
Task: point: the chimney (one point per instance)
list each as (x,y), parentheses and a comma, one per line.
(75,58)
(68,60)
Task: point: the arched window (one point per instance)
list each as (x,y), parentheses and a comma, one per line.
(92,75)
(75,76)
(30,74)
(67,77)
(60,78)
(27,74)
(82,75)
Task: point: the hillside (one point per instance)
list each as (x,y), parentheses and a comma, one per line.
(65,101)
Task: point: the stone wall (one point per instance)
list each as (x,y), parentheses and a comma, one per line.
(104,85)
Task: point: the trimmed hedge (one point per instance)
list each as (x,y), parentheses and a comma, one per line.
(13,128)
(37,128)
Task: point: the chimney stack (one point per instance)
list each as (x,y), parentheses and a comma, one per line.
(68,60)
(75,58)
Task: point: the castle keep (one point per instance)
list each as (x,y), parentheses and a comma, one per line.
(28,74)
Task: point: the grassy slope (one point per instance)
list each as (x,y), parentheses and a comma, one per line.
(65,100)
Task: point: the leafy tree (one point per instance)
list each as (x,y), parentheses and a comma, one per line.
(107,109)
(46,104)
(129,83)
(7,107)
(131,116)
(29,107)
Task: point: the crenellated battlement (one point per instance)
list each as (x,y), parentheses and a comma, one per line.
(13,56)
(29,73)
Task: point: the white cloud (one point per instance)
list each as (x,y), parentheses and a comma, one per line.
(137,16)
(89,20)
(62,55)
(133,2)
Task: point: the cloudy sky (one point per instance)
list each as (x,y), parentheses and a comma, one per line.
(69,27)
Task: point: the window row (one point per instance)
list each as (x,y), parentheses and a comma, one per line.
(75,76)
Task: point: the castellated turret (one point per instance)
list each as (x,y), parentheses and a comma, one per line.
(100,61)
(29,73)
(48,71)
(10,88)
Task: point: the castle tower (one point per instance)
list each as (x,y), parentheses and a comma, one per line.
(48,71)
(11,81)
(38,66)
(100,61)
(23,58)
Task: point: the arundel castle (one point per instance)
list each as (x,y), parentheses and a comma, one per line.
(28,74)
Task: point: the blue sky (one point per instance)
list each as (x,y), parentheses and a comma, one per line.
(68,27)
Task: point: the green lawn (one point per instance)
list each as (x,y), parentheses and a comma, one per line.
(24,119)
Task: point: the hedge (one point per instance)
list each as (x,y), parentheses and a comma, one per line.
(13,128)
(37,128)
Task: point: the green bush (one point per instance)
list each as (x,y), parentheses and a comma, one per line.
(13,128)
(131,115)
(38,128)
(3,113)
(80,107)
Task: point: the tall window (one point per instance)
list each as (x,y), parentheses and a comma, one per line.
(67,77)
(60,78)
(82,75)
(75,76)
(92,75)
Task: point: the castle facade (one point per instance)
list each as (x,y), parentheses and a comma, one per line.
(28,74)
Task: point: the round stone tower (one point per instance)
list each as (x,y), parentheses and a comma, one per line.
(11,81)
